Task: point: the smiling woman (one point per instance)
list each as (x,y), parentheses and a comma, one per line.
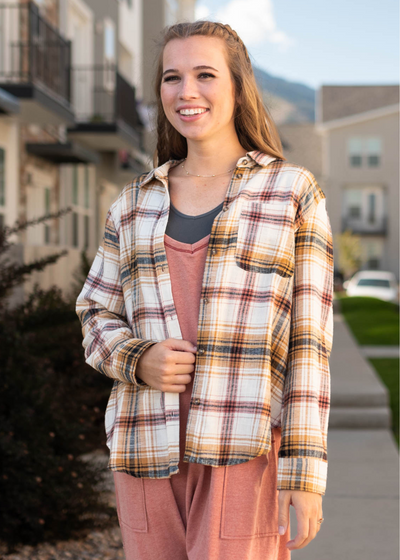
(210,305)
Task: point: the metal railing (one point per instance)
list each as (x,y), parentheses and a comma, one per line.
(362,226)
(101,95)
(32,50)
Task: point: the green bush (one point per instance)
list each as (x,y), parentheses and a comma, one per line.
(52,411)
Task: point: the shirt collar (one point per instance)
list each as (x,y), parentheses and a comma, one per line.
(161,172)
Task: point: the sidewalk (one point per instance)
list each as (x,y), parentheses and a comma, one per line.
(361,504)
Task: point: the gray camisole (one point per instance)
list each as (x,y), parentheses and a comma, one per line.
(190,229)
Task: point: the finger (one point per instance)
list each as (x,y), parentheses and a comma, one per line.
(311,532)
(174,388)
(283,513)
(182,357)
(180,380)
(313,528)
(303,529)
(320,516)
(181,369)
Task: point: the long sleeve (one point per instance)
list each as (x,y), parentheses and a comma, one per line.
(302,463)
(110,345)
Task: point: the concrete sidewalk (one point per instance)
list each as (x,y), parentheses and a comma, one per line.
(361,504)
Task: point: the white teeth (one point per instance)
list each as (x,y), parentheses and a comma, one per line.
(192,111)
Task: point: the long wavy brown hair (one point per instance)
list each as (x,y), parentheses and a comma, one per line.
(254,125)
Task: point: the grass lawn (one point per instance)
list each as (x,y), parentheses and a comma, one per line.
(376,323)
(388,370)
(371,320)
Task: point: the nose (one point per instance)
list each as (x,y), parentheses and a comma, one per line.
(188,89)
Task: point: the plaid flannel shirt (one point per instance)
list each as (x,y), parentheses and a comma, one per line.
(265,326)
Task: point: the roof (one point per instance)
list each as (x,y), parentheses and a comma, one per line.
(302,144)
(336,102)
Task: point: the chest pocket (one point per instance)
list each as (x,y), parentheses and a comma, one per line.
(265,239)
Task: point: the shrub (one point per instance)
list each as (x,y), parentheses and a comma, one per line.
(52,412)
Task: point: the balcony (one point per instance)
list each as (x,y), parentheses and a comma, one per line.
(9,104)
(35,65)
(105,109)
(361,226)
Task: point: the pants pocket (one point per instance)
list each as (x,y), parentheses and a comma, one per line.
(131,503)
(250,498)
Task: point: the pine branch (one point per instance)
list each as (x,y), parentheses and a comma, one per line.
(12,275)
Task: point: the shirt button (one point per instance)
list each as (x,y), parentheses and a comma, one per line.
(164,267)
(201,350)
(214,251)
(196,401)
(239,175)
(245,162)
(205,300)
(225,208)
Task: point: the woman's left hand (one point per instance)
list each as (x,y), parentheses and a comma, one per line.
(308,506)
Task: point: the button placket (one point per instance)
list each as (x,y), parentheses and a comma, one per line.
(229,197)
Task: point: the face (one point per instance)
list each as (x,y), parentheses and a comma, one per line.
(197,76)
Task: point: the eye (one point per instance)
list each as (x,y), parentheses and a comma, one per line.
(206,74)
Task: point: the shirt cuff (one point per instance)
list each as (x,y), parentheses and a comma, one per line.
(126,357)
(302,473)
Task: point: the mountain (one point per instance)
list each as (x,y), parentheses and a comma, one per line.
(288,102)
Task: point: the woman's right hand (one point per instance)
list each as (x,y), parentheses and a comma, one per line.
(167,365)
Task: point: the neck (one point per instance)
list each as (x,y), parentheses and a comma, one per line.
(207,158)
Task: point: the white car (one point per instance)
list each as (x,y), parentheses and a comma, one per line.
(373,283)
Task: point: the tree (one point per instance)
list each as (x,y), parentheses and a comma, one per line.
(350,253)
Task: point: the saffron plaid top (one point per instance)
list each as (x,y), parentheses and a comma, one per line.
(265,326)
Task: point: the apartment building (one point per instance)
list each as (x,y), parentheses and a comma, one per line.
(157,14)
(302,144)
(360,163)
(71,134)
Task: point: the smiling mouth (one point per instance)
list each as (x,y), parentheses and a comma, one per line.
(192,112)
(193,117)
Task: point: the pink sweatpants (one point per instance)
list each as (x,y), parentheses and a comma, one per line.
(203,512)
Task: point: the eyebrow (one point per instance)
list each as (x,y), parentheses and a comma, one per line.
(201,67)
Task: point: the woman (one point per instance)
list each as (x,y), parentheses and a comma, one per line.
(210,305)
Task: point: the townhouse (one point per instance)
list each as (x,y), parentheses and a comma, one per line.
(74,118)
(359,128)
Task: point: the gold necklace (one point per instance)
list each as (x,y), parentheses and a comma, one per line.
(217,175)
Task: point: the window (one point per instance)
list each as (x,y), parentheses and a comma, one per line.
(374,282)
(2,178)
(364,209)
(86,232)
(75,186)
(47,211)
(364,151)
(109,55)
(374,250)
(75,229)
(371,208)
(353,203)
(86,186)
(355,152)
(373,152)
(80,220)
(109,41)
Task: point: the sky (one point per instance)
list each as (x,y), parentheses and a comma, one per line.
(315,42)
